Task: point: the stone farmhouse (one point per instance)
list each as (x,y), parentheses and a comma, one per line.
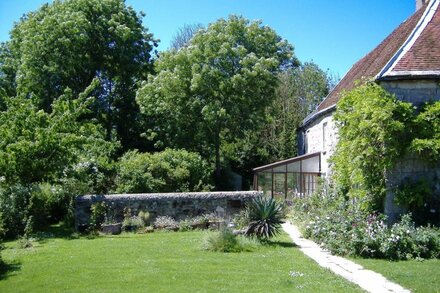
(407,64)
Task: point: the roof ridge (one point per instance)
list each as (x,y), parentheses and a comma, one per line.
(373,62)
(429,12)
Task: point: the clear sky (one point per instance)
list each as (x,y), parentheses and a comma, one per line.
(332,33)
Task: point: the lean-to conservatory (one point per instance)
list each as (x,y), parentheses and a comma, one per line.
(295,177)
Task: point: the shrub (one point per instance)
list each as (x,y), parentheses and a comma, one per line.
(226,241)
(167,171)
(241,220)
(145,216)
(265,218)
(98,212)
(133,223)
(185,225)
(166,223)
(14,205)
(344,228)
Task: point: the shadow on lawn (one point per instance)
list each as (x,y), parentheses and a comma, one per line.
(7,270)
(56,231)
(286,244)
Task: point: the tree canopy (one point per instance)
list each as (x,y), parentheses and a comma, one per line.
(299,92)
(67,44)
(216,88)
(184,35)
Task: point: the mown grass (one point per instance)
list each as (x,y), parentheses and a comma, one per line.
(417,276)
(161,262)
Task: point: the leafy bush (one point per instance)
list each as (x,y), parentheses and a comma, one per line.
(98,212)
(427,140)
(166,223)
(241,219)
(185,225)
(373,133)
(226,241)
(145,216)
(344,228)
(167,171)
(265,218)
(133,223)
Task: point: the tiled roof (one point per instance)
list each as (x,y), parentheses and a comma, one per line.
(425,54)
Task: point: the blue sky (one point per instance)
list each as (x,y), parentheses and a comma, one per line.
(332,33)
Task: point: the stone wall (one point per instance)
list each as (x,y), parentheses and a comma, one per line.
(409,167)
(416,92)
(322,136)
(176,205)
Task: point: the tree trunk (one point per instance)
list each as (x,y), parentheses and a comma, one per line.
(217,174)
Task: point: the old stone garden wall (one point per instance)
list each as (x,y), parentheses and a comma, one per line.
(176,205)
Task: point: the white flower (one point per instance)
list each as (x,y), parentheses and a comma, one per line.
(295,274)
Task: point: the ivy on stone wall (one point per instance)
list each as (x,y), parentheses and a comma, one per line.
(375,129)
(427,140)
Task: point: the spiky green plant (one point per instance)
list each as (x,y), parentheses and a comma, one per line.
(265,215)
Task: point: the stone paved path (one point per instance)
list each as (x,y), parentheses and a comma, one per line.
(366,279)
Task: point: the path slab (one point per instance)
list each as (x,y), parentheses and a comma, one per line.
(366,279)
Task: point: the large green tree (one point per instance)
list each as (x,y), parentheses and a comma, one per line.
(300,89)
(215,89)
(299,92)
(67,44)
(37,146)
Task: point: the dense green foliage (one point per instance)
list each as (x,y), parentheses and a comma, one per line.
(167,171)
(226,241)
(217,88)
(376,130)
(427,136)
(40,152)
(158,261)
(70,123)
(344,228)
(299,92)
(265,218)
(38,146)
(373,133)
(67,44)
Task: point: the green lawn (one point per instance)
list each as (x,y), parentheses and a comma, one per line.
(161,262)
(418,276)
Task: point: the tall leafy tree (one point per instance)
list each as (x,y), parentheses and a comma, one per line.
(300,89)
(214,90)
(299,92)
(66,44)
(37,146)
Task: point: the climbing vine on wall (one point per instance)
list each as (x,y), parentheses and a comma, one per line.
(427,139)
(375,129)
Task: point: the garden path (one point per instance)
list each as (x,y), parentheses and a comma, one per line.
(366,279)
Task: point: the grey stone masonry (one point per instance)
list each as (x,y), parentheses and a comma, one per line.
(416,92)
(176,205)
(414,168)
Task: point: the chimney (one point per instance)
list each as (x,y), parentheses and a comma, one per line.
(420,3)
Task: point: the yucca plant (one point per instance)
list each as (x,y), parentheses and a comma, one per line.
(265,215)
